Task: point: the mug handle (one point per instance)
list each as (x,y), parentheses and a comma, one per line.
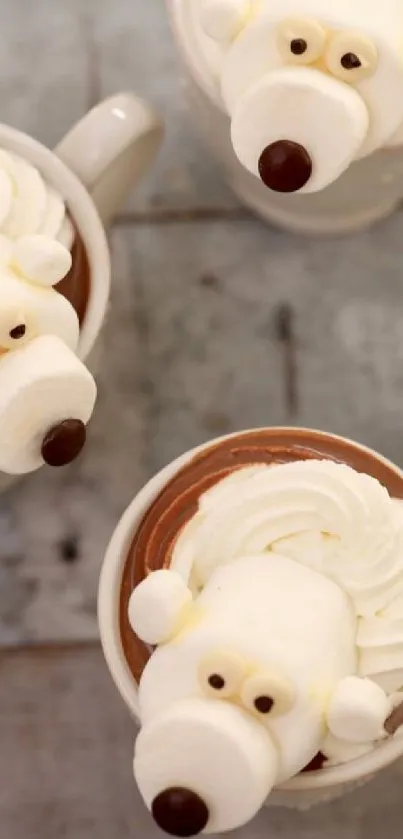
(111,147)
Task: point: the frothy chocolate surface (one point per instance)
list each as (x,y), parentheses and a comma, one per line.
(75,286)
(154,541)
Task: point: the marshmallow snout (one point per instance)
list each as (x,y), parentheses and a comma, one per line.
(204,766)
(47,397)
(298,129)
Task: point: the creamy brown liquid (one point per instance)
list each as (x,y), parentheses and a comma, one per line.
(153,543)
(76,285)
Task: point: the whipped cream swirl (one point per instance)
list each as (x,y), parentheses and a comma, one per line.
(340,522)
(28,204)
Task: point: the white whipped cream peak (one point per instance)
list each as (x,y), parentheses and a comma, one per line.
(28,204)
(325,515)
(255,508)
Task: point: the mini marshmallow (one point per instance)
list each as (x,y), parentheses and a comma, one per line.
(156,606)
(41,259)
(222,19)
(358,710)
(41,385)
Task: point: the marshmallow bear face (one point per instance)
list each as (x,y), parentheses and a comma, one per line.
(308,90)
(46,393)
(237,678)
(29,306)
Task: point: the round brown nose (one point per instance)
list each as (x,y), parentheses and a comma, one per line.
(285,166)
(180,812)
(64,442)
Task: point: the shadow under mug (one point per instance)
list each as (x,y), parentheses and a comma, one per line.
(305,789)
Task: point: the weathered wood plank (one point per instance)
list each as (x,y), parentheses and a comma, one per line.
(134,49)
(65,763)
(43,66)
(213,293)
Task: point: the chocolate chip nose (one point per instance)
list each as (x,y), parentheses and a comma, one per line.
(180,812)
(285,166)
(64,442)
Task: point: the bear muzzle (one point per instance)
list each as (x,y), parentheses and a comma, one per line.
(298,129)
(204,766)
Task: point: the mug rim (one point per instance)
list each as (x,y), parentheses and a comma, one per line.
(86,219)
(109,612)
(191,53)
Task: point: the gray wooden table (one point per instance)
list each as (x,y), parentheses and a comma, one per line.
(217,322)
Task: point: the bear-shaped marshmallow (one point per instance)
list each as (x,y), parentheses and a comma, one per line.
(46,393)
(276,638)
(309,87)
(238,696)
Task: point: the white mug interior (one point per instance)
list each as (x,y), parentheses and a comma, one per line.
(324,779)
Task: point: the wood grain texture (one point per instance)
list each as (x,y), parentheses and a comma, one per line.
(43,66)
(220,359)
(134,49)
(213,327)
(66,754)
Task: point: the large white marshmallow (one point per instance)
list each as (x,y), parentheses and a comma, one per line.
(214,749)
(238,71)
(337,111)
(41,385)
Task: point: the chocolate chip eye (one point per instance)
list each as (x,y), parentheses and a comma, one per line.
(268,692)
(18,331)
(216,681)
(263,704)
(300,40)
(351,57)
(298,46)
(221,673)
(350,61)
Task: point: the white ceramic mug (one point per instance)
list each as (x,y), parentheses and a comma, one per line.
(238,116)
(306,789)
(93,168)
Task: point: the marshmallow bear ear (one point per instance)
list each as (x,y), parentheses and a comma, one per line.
(157,606)
(358,711)
(41,260)
(222,20)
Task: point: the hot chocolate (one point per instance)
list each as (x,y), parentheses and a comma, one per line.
(250,609)
(76,285)
(153,542)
